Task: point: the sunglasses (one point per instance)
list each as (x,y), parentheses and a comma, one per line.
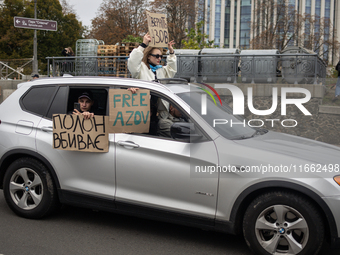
(156,56)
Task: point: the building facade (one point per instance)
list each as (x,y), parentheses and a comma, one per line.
(230,23)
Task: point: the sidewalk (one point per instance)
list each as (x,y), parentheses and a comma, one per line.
(329,95)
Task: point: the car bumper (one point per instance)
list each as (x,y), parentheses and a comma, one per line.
(334,205)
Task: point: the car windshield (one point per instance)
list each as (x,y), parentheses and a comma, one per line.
(219,117)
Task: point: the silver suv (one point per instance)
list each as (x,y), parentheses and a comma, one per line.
(281,192)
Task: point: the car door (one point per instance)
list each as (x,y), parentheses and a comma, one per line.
(83,172)
(157,172)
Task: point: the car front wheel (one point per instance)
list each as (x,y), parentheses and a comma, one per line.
(283,223)
(29,190)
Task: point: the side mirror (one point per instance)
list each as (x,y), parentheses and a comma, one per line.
(184,131)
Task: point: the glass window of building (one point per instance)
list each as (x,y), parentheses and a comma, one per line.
(226,23)
(235,21)
(208,16)
(217,22)
(307,25)
(327,8)
(318,8)
(245,23)
(308,6)
(291,11)
(200,13)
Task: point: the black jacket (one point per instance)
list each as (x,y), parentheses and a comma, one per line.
(64,53)
(338,68)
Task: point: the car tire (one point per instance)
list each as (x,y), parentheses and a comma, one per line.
(283,223)
(29,189)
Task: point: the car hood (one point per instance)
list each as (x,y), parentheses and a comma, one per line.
(294,146)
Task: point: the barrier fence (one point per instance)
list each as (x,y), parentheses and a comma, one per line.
(228,68)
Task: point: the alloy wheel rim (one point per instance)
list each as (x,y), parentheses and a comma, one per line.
(26,188)
(281,229)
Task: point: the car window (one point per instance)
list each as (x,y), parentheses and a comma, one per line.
(100,98)
(164,113)
(58,105)
(37,99)
(218,112)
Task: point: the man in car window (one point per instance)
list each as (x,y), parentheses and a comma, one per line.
(85,103)
(166,119)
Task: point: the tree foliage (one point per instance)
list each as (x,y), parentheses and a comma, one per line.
(318,35)
(275,25)
(14,42)
(196,39)
(132,39)
(119,18)
(18,42)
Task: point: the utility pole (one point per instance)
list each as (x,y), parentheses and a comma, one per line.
(35,54)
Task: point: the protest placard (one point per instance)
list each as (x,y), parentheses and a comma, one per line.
(158,29)
(129,112)
(74,133)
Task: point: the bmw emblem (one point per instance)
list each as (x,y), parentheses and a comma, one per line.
(282,230)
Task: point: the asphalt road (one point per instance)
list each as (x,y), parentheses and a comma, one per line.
(75,231)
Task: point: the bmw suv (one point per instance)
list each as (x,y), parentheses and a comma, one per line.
(281,192)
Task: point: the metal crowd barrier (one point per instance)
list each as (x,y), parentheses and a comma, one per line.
(228,68)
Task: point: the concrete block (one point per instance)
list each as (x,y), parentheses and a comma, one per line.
(329,109)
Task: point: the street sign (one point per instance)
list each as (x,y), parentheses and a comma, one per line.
(39,24)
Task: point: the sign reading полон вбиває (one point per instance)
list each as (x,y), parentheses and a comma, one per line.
(39,24)
(129,112)
(74,133)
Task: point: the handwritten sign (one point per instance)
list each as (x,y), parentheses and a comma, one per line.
(158,29)
(129,113)
(74,133)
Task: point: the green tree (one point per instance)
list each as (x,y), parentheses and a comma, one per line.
(15,43)
(18,42)
(132,39)
(196,39)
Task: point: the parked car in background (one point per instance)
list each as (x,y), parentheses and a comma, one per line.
(281,192)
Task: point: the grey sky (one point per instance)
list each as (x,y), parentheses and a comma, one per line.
(86,10)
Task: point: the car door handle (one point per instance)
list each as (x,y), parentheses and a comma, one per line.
(47,129)
(128,144)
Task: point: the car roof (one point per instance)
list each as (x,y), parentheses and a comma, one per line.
(109,81)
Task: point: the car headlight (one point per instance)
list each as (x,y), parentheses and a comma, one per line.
(337,179)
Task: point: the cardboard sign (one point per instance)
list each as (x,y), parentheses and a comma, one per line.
(158,29)
(74,133)
(129,113)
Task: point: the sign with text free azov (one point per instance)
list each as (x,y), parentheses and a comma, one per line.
(129,113)
(39,24)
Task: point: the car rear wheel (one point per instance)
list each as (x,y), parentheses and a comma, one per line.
(29,189)
(283,223)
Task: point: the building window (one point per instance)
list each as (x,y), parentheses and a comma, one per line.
(227,23)
(217,22)
(245,23)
